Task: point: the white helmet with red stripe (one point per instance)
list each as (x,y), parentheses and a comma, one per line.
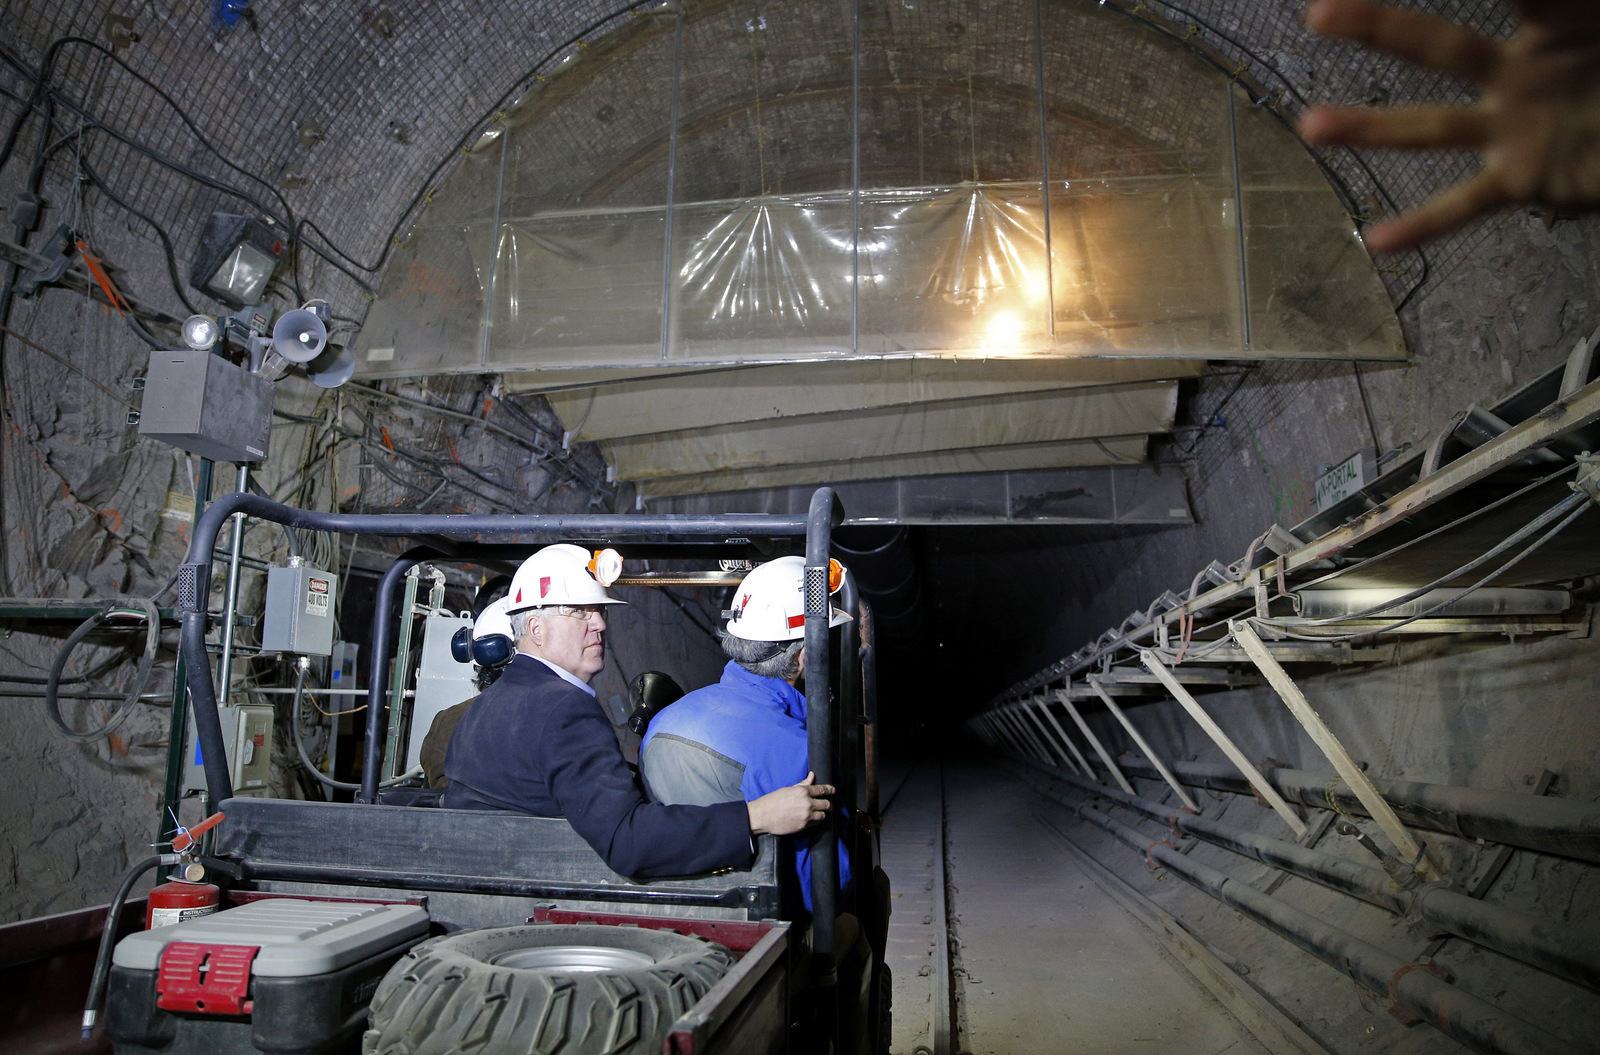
(557,575)
(770,604)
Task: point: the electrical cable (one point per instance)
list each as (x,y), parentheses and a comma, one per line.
(44,95)
(1372,423)
(292,540)
(108,936)
(1202,650)
(1451,526)
(161,233)
(152,617)
(689,615)
(1567,504)
(1574,514)
(1559,509)
(305,760)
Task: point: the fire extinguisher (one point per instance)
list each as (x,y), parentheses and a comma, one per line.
(182,898)
(186,895)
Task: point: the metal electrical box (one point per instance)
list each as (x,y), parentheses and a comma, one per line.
(201,403)
(441,681)
(299,611)
(247,732)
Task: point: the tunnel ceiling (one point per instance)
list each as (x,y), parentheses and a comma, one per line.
(732,183)
(356,125)
(530,139)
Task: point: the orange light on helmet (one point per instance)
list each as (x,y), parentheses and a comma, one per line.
(606,566)
(835,575)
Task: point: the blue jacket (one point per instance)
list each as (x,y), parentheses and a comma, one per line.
(754,722)
(535,744)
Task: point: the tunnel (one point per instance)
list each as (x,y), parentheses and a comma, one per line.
(1218,672)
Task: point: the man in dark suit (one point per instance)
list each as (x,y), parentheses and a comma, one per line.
(537,741)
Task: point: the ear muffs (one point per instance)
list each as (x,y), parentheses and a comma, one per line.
(461,645)
(492,650)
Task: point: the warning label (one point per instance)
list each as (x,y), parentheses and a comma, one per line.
(317,596)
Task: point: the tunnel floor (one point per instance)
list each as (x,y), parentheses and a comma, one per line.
(1040,957)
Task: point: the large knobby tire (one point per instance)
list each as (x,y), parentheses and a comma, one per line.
(545,989)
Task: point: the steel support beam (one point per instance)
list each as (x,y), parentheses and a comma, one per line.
(1094,742)
(1122,494)
(1335,751)
(1083,763)
(1221,739)
(1138,738)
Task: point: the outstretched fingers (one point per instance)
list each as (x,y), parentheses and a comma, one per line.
(1440,215)
(1423,39)
(1428,127)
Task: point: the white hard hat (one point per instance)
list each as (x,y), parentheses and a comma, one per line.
(494,620)
(770,604)
(558,574)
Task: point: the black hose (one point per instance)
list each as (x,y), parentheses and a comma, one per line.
(1454,1012)
(305,759)
(108,939)
(141,677)
(1561,826)
(1565,950)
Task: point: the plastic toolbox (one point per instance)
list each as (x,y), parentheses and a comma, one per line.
(281,975)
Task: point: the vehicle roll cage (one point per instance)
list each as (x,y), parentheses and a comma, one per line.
(465,536)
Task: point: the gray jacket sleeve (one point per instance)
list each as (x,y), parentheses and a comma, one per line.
(683,772)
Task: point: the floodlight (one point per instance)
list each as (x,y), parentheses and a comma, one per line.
(236,257)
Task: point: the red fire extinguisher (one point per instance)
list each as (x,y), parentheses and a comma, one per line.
(182,899)
(186,895)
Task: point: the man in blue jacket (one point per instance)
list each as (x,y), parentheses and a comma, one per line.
(745,736)
(537,741)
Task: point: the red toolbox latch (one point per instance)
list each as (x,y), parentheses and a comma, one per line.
(210,979)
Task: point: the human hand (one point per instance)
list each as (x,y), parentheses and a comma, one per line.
(1536,122)
(787,810)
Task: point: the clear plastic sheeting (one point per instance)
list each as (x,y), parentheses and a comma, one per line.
(740,183)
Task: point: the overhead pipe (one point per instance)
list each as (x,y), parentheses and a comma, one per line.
(1559,949)
(1455,1012)
(1565,827)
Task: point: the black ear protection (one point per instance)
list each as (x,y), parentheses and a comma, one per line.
(493,650)
(490,650)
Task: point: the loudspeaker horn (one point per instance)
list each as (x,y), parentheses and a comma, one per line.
(299,336)
(332,368)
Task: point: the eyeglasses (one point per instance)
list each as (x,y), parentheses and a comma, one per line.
(585,612)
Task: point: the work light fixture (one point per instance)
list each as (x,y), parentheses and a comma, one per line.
(236,257)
